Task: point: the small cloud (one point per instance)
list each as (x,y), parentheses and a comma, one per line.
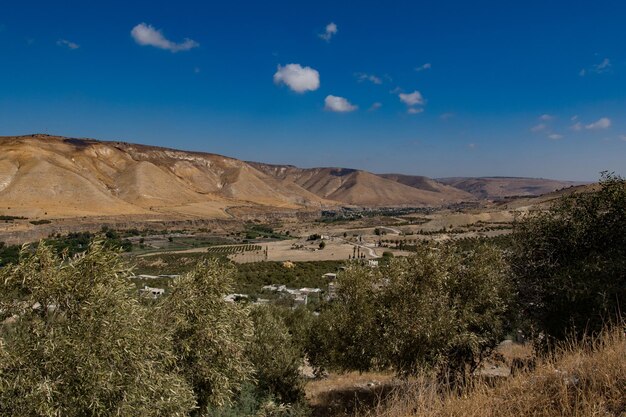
(603,66)
(538,128)
(577,126)
(574,118)
(414,110)
(360,76)
(426,66)
(546,117)
(622,137)
(299,79)
(329,32)
(196,70)
(446,116)
(471,145)
(600,68)
(375,106)
(147,35)
(67,44)
(338,104)
(395,90)
(603,123)
(412,99)
(555,136)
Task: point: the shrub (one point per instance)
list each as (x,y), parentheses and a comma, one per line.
(570,261)
(440,308)
(210,336)
(80,344)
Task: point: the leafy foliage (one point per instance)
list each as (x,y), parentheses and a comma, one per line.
(276,357)
(210,336)
(440,308)
(79,344)
(570,261)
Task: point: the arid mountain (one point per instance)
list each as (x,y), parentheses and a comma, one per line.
(50,176)
(362,188)
(494,188)
(79,177)
(429,184)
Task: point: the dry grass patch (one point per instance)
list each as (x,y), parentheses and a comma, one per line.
(579,380)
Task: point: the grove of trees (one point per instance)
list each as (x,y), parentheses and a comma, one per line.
(76,339)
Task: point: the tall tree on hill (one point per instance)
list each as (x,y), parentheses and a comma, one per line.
(570,261)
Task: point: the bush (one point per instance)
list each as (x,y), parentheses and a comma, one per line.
(80,344)
(570,262)
(275,356)
(440,308)
(210,336)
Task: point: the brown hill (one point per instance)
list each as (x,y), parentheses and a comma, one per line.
(79,177)
(361,188)
(429,184)
(494,188)
(54,176)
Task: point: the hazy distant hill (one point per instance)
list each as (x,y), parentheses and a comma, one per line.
(63,177)
(500,187)
(363,188)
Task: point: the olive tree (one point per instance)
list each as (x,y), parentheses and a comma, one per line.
(210,335)
(570,261)
(74,341)
(276,357)
(440,308)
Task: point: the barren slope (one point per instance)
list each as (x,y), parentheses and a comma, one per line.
(350,186)
(63,177)
(500,187)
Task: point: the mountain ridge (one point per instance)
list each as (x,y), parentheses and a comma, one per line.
(45,175)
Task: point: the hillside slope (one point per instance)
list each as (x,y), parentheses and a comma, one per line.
(494,188)
(362,188)
(80,177)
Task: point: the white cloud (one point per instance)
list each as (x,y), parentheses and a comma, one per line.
(538,128)
(375,106)
(147,35)
(424,67)
(329,32)
(68,44)
(299,79)
(412,99)
(414,110)
(623,137)
(555,136)
(574,118)
(603,123)
(471,145)
(446,116)
(546,117)
(600,68)
(603,66)
(577,126)
(196,70)
(360,76)
(338,104)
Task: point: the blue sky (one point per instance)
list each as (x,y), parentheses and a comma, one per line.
(534,88)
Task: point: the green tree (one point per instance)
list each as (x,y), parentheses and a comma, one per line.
(440,308)
(74,341)
(570,261)
(276,357)
(210,335)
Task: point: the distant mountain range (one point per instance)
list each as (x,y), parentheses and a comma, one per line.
(54,176)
